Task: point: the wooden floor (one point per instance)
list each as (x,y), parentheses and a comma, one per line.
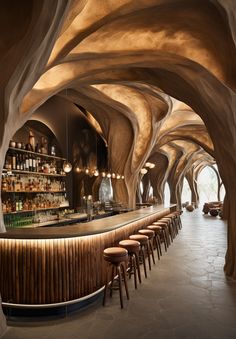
(186,295)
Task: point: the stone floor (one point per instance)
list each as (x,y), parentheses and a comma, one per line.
(186,295)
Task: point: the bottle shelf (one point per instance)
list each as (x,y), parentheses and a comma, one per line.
(35,210)
(34,192)
(32,173)
(36,153)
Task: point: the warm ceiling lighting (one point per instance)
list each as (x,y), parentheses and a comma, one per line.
(113,175)
(67,167)
(96,173)
(143,171)
(147,164)
(151,165)
(109,175)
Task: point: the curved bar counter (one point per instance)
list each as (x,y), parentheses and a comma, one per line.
(51,265)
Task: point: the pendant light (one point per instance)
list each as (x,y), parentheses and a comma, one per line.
(67,167)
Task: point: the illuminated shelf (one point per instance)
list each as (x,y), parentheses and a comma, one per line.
(35,153)
(34,191)
(32,173)
(36,210)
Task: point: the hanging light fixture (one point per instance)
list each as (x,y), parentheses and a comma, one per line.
(147,164)
(96,173)
(77,168)
(143,171)
(67,167)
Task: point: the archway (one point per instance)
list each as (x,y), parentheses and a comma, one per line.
(166,194)
(207,185)
(186,192)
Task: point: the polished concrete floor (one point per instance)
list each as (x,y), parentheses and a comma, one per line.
(186,295)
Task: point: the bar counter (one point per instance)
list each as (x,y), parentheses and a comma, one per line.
(51,265)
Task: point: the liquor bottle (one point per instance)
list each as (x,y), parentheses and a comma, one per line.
(8,162)
(30,163)
(33,163)
(13,159)
(26,162)
(21,160)
(37,148)
(32,140)
(4,184)
(17,161)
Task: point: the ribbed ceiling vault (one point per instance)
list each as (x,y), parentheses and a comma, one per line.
(157,78)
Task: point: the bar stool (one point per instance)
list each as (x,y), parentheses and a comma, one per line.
(166,225)
(117,257)
(157,238)
(133,248)
(171,226)
(177,218)
(150,234)
(165,233)
(143,240)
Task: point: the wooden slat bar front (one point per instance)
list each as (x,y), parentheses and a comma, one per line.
(58,264)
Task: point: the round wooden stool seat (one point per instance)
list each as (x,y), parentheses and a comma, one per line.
(149,233)
(160,223)
(168,219)
(154,228)
(143,239)
(115,254)
(133,247)
(130,245)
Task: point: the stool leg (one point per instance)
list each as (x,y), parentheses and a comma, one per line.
(164,239)
(159,243)
(106,285)
(170,232)
(120,286)
(152,250)
(167,236)
(157,246)
(138,267)
(112,279)
(130,269)
(125,280)
(148,255)
(180,223)
(135,270)
(143,260)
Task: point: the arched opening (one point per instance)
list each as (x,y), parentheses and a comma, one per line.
(186,192)
(105,190)
(166,194)
(207,185)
